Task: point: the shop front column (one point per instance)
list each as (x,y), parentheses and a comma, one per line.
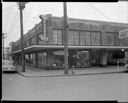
(90,60)
(15,58)
(49,59)
(103,59)
(36,59)
(19,59)
(29,59)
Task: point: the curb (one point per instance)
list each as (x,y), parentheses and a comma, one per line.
(66,75)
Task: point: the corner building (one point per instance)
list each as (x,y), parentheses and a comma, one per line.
(90,43)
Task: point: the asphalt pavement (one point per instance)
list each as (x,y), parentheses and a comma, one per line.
(104,87)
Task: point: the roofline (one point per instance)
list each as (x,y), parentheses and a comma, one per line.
(96,21)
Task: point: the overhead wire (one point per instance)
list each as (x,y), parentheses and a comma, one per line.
(94,7)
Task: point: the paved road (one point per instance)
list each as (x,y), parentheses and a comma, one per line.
(87,87)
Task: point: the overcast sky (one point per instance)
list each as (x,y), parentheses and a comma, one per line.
(113,12)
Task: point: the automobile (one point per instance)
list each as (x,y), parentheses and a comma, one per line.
(8,66)
(126,67)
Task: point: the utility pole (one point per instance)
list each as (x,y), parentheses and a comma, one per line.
(21,7)
(65,39)
(3,37)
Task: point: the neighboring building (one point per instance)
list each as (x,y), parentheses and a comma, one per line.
(6,53)
(11,45)
(90,43)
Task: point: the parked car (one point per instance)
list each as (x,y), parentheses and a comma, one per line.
(8,66)
(126,67)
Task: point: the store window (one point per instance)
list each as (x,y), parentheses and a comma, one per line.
(70,38)
(27,43)
(76,37)
(54,36)
(33,40)
(26,58)
(108,39)
(82,38)
(30,41)
(42,59)
(117,40)
(57,37)
(33,62)
(87,38)
(95,38)
(73,37)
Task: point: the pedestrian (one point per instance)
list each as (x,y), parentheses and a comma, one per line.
(73,72)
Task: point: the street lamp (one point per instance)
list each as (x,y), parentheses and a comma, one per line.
(21,7)
(65,39)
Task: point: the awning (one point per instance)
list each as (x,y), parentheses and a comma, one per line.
(38,48)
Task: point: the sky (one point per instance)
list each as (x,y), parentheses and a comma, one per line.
(110,11)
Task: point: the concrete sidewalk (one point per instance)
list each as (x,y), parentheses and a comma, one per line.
(39,72)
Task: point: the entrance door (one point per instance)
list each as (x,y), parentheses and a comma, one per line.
(95,57)
(79,59)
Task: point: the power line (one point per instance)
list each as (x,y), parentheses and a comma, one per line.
(100,12)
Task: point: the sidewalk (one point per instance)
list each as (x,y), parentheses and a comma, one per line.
(39,72)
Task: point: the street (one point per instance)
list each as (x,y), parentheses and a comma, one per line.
(85,87)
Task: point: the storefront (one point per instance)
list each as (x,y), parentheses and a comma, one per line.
(90,43)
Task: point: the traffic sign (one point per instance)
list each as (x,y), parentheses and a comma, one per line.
(123,33)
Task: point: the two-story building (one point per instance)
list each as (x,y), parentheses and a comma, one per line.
(90,43)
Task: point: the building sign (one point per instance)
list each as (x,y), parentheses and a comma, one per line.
(58,53)
(44,21)
(44,28)
(123,33)
(43,38)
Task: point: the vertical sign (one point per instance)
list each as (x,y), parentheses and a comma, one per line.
(44,21)
(44,25)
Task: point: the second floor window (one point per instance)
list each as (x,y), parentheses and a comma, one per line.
(95,38)
(57,37)
(33,40)
(108,39)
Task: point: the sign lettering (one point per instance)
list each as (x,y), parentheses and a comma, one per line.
(44,29)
